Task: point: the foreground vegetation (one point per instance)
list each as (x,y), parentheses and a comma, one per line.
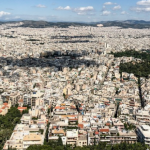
(100,146)
(133,53)
(139,69)
(8,123)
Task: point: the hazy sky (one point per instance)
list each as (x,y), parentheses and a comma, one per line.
(74,10)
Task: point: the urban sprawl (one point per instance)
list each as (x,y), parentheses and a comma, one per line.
(69,83)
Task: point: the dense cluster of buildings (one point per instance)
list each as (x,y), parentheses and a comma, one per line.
(72,85)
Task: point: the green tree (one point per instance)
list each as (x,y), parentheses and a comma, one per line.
(60,141)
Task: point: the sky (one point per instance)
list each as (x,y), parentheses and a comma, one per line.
(74,10)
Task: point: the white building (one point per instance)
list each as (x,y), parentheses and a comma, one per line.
(143,133)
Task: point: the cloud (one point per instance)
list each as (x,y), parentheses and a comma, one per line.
(80,10)
(64,8)
(60,8)
(141,9)
(108,3)
(144,3)
(84,10)
(67,8)
(106,13)
(17,17)
(41,6)
(2,14)
(142,6)
(124,13)
(117,7)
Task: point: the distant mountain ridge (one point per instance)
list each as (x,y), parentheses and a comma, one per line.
(139,24)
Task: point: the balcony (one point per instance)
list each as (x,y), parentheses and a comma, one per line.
(32,143)
(147,140)
(71,139)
